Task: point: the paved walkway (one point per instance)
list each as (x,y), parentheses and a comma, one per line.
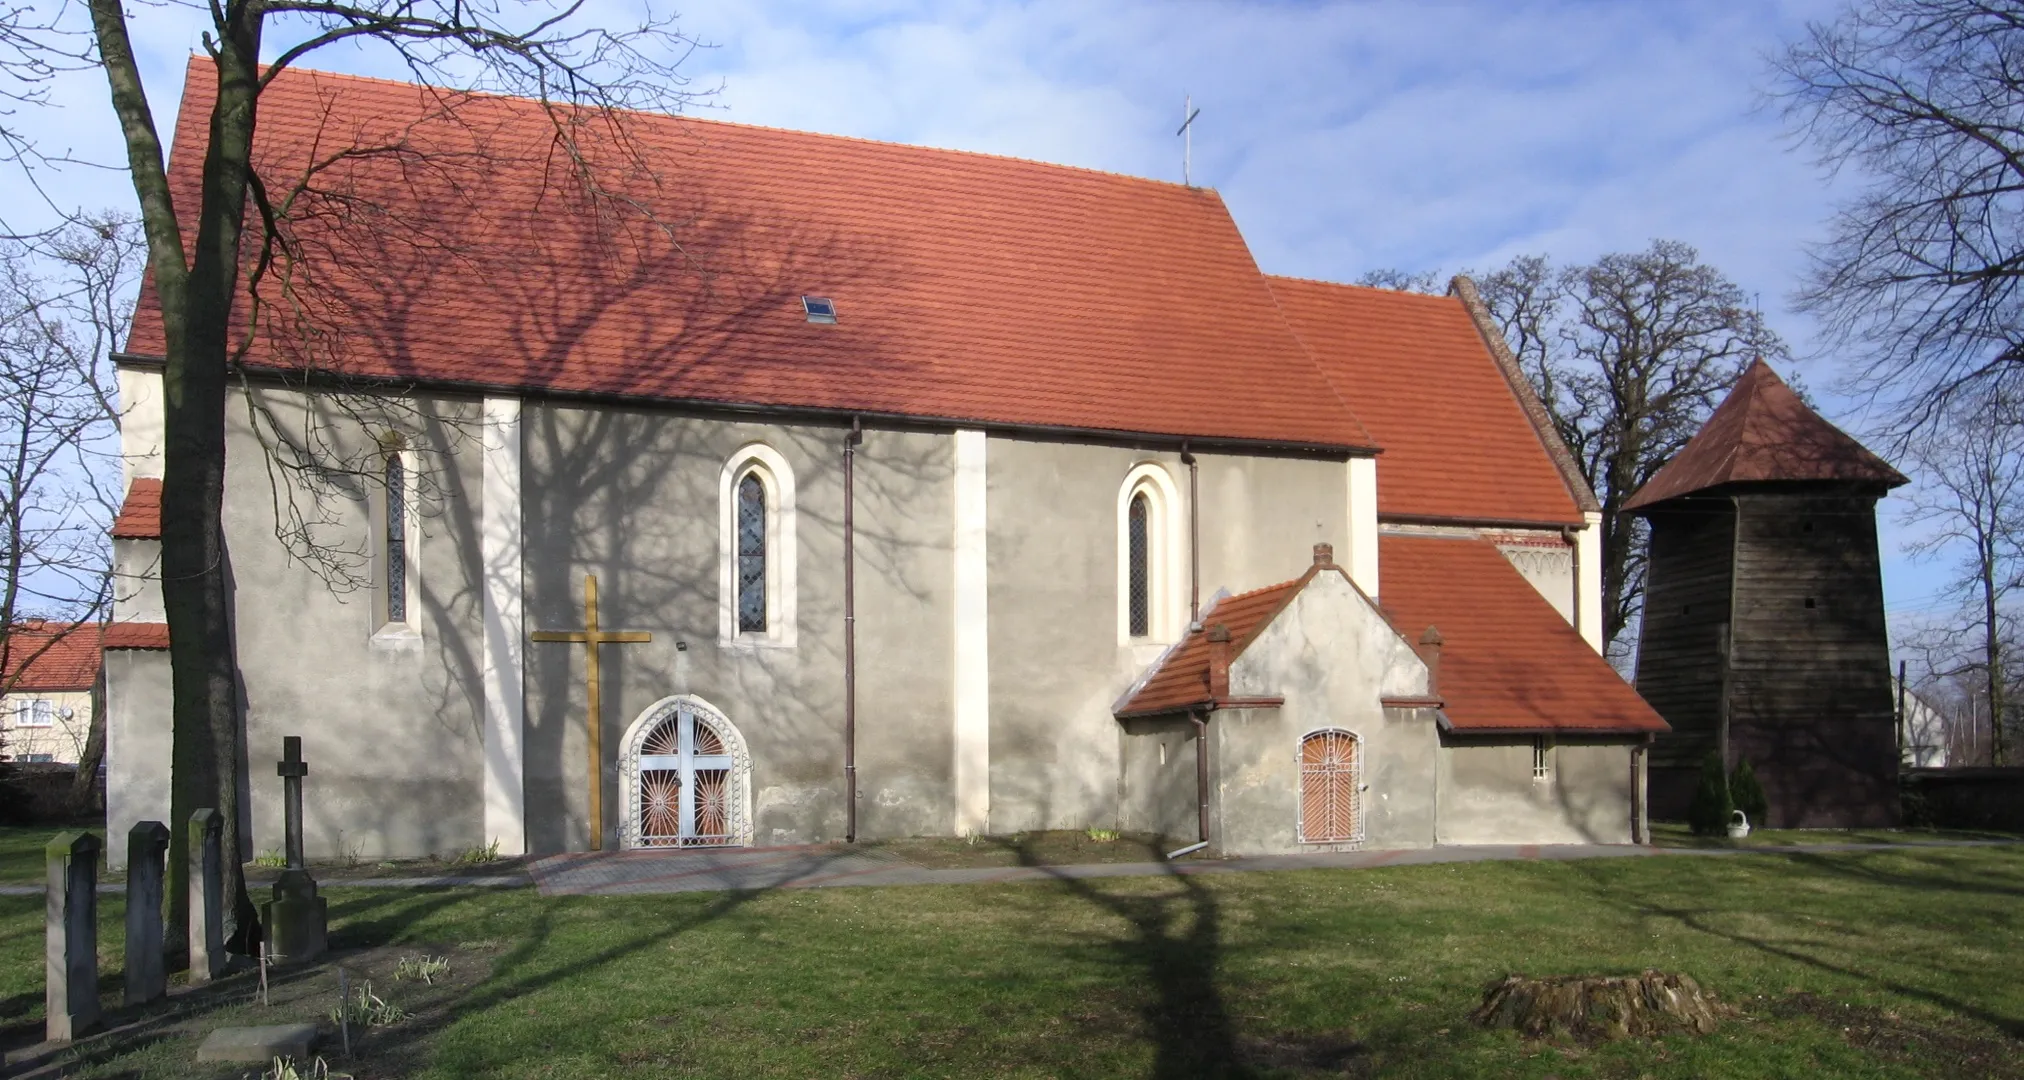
(827,866)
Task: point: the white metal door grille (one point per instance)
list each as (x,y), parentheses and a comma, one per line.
(1331,788)
(685,785)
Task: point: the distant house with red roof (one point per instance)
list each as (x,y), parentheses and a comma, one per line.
(48,670)
(939,493)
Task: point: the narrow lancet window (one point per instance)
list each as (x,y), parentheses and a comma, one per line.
(751,555)
(1138,575)
(397,539)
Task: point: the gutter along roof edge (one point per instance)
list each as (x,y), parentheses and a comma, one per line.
(1208,443)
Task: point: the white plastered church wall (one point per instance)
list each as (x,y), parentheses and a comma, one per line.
(1056,665)
(1589,543)
(1333,658)
(1360,555)
(972,635)
(505,635)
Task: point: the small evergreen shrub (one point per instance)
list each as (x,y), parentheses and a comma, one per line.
(1748,795)
(1709,814)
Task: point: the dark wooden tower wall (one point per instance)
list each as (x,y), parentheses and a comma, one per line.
(1794,576)
(1679,672)
(1763,632)
(1809,672)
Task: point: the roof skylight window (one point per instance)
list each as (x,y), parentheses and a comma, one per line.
(819,308)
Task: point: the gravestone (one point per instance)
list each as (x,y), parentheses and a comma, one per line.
(147,977)
(261,1044)
(296,920)
(207,896)
(71,971)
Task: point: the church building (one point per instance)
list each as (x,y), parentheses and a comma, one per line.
(778,488)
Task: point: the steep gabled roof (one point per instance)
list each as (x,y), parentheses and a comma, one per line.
(51,656)
(140,513)
(1180,679)
(1762,432)
(967,287)
(1510,663)
(1457,442)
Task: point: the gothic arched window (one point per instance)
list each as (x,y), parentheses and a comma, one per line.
(751,555)
(1151,607)
(756,523)
(1138,572)
(395,541)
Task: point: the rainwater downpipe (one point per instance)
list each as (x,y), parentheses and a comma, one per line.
(1201,787)
(1194,550)
(850,445)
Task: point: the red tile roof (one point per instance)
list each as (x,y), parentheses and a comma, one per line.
(51,656)
(140,515)
(967,287)
(1509,662)
(1457,443)
(1180,679)
(1763,432)
(137,635)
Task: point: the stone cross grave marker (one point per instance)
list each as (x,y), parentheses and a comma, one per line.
(147,977)
(207,896)
(71,971)
(296,920)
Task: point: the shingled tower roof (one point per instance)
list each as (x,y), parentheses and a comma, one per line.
(1763,433)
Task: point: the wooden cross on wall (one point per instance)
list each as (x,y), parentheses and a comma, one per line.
(592,637)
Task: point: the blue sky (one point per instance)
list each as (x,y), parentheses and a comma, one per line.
(1344,136)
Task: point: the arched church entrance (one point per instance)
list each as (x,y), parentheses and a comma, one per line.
(687,778)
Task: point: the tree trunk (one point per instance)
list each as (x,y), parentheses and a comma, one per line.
(197,289)
(1992,646)
(86,781)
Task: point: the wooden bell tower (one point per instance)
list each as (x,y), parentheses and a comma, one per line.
(1763,633)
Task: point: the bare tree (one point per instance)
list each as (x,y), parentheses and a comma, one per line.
(63,306)
(1970,501)
(1918,281)
(1629,354)
(586,77)
(1419,281)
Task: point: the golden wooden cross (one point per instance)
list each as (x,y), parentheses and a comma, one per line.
(592,637)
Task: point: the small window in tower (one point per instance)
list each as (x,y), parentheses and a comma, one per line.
(1686,609)
(819,308)
(1809,603)
(1806,526)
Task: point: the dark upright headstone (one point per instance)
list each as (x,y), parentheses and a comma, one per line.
(146,975)
(71,972)
(207,896)
(296,919)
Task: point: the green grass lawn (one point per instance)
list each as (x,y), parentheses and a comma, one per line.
(1671,834)
(1862,965)
(24,858)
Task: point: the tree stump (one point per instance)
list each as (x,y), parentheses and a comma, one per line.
(1598,1008)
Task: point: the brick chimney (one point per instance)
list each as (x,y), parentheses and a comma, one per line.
(1324,555)
(1219,661)
(1430,651)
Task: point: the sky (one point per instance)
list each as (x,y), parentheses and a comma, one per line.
(1344,137)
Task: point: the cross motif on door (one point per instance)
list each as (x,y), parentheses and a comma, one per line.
(685,783)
